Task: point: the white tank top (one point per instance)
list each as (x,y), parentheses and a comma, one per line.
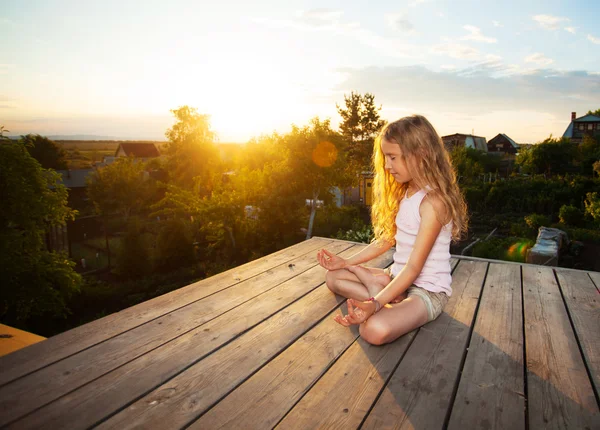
(435,275)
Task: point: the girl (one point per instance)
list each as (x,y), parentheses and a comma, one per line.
(418,206)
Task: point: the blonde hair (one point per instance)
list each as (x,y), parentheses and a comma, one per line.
(428,163)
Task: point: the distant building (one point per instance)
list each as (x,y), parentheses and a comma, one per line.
(141,151)
(464,140)
(502,144)
(579,127)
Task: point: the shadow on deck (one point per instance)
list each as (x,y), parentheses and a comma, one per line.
(257,347)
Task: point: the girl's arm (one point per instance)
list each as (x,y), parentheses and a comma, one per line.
(429,230)
(375,249)
(331,261)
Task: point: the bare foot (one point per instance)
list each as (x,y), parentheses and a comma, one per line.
(373,283)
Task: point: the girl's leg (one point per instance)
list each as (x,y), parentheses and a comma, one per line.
(348,285)
(372,281)
(392,322)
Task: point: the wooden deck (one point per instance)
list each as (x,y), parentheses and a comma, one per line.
(517,347)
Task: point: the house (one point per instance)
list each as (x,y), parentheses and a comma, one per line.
(464,140)
(579,127)
(502,144)
(141,151)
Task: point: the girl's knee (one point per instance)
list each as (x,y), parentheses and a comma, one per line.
(331,280)
(374,332)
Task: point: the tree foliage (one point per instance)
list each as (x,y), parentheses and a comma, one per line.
(120,187)
(192,156)
(550,157)
(47,152)
(596,112)
(35,281)
(359,126)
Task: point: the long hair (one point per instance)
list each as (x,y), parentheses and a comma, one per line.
(429,164)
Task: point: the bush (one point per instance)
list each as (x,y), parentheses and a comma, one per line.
(133,253)
(174,246)
(507,249)
(570,215)
(535,221)
(331,219)
(360,232)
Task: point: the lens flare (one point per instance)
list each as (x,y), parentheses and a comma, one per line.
(325,154)
(518,250)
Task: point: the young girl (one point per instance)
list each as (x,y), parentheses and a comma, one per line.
(416,205)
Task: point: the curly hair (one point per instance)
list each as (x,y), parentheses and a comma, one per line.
(428,163)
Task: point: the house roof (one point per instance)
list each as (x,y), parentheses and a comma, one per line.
(139,150)
(258,344)
(75,178)
(512,142)
(586,118)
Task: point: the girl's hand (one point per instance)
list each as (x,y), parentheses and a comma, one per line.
(330,261)
(358,313)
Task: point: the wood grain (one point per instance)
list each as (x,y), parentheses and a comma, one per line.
(420,391)
(42,354)
(583,302)
(189,394)
(560,394)
(491,390)
(47,384)
(342,397)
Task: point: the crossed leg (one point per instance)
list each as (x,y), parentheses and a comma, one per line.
(347,284)
(393,321)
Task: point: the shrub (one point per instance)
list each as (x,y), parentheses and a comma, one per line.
(508,249)
(174,246)
(133,253)
(360,232)
(535,221)
(570,215)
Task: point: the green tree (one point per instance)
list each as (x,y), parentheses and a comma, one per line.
(316,162)
(2,136)
(192,158)
(596,112)
(592,205)
(120,188)
(47,152)
(466,162)
(35,281)
(550,157)
(360,125)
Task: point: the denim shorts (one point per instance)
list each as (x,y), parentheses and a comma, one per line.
(434,302)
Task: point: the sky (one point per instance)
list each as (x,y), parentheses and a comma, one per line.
(117,68)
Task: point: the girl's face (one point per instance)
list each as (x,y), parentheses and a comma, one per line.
(395,162)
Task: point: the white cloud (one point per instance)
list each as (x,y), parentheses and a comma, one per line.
(456,50)
(400,21)
(571,29)
(549,22)
(319,17)
(476,35)
(539,58)
(497,24)
(593,39)
(415,3)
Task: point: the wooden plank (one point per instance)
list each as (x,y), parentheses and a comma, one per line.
(559,392)
(491,390)
(12,339)
(583,303)
(79,369)
(194,391)
(596,279)
(276,387)
(117,389)
(420,391)
(70,342)
(342,397)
